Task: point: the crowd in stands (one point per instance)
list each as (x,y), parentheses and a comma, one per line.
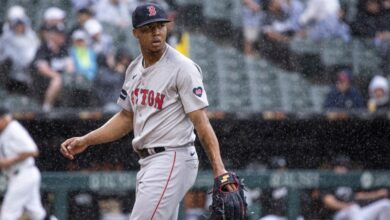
(270,26)
(74,53)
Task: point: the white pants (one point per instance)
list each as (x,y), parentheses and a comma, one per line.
(379,210)
(273,217)
(23,193)
(276,217)
(162,182)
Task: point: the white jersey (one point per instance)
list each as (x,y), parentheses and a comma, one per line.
(160,96)
(15,140)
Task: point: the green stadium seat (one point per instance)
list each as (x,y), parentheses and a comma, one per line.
(202,52)
(301,46)
(218,9)
(201,47)
(236,14)
(19,103)
(3,93)
(295,92)
(335,52)
(318,96)
(233,80)
(188,2)
(264,90)
(365,60)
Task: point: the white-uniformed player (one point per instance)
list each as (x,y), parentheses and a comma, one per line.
(163,99)
(17,152)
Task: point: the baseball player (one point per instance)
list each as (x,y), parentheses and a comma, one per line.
(163,100)
(343,202)
(17,152)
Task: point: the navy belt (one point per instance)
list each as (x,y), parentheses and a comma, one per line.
(146,152)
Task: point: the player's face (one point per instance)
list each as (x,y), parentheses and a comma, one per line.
(152,36)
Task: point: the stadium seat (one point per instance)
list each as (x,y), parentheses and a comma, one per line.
(335,52)
(294,92)
(236,14)
(233,81)
(201,47)
(365,60)
(3,93)
(202,51)
(301,46)
(318,96)
(188,2)
(264,90)
(218,9)
(19,103)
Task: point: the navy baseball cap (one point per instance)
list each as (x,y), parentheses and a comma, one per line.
(148,13)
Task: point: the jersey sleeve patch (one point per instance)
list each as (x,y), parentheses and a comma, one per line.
(123,94)
(198,91)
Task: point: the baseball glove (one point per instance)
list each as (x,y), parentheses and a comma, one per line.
(228,205)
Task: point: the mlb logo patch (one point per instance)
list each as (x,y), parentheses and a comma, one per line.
(198,91)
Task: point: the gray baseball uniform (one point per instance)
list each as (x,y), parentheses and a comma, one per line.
(160,96)
(23,190)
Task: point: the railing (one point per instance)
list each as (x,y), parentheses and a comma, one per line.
(60,183)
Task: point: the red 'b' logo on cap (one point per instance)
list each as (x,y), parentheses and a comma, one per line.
(152,10)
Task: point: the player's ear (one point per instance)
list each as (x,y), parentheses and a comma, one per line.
(135,33)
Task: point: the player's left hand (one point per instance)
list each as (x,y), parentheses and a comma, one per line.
(228,198)
(73,146)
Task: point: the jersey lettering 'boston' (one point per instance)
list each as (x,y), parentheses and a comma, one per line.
(147,97)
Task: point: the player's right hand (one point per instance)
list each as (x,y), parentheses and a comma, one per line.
(73,146)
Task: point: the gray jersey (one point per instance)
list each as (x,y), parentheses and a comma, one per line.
(160,96)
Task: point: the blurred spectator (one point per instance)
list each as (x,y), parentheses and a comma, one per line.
(373,21)
(54,16)
(321,20)
(277,32)
(343,202)
(83,15)
(274,200)
(176,37)
(83,56)
(379,94)
(51,17)
(18,46)
(83,205)
(251,22)
(194,204)
(51,61)
(113,12)
(81,83)
(161,3)
(109,80)
(80,4)
(343,96)
(14,12)
(369,19)
(383,37)
(294,9)
(100,42)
